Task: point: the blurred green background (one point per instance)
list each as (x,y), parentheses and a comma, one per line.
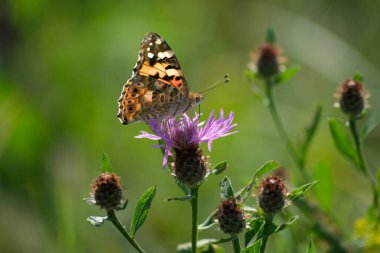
(62,67)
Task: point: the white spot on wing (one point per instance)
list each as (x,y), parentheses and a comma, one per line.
(150,43)
(150,55)
(167,54)
(158,41)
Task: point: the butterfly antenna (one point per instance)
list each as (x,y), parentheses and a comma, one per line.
(216,84)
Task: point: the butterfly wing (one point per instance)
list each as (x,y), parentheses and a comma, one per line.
(157,87)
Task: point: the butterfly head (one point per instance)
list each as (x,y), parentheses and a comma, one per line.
(195,98)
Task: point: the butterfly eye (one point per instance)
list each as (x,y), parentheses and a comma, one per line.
(197,99)
(131,108)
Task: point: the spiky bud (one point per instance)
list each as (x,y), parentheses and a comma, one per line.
(190,165)
(272,194)
(352,98)
(107,191)
(268,61)
(230,217)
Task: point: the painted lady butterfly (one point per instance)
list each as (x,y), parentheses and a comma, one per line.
(157,88)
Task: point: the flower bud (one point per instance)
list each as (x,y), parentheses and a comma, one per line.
(107,191)
(230,217)
(272,194)
(190,165)
(352,97)
(268,63)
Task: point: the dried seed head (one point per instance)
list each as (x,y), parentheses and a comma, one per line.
(107,191)
(272,194)
(352,98)
(230,217)
(190,165)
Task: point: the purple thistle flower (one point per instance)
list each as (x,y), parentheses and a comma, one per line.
(187,132)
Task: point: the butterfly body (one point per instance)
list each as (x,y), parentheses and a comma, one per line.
(157,88)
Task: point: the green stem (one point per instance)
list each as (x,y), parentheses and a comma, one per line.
(236,244)
(194,217)
(281,129)
(113,218)
(268,222)
(362,162)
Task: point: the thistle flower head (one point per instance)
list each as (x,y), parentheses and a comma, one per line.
(272,194)
(230,217)
(187,132)
(352,98)
(107,191)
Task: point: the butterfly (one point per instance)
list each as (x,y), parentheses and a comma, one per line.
(158,88)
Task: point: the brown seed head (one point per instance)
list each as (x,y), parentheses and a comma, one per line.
(352,97)
(107,191)
(272,194)
(230,217)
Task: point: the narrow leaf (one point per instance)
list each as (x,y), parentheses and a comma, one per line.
(203,246)
(244,193)
(300,192)
(185,198)
(285,225)
(96,221)
(370,125)
(253,231)
(141,210)
(106,164)
(323,190)
(310,131)
(342,140)
(226,190)
(254,247)
(209,222)
(311,246)
(270,35)
(219,168)
(267,167)
(287,74)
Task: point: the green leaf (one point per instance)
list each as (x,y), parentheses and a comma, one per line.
(251,75)
(106,164)
(96,221)
(203,246)
(254,247)
(209,222)
(244,193)
(371,124)
(219,168)
(185,198)
(323,190)
(311,246)
(267,167)
(254,231)
(300,191)
(226,190)
(342,140)
(270,35)
(358,77)
(310,131)
(285,225)
(287,74)
(141,209)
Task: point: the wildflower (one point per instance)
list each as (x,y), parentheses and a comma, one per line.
(230,217)
(272,194)
(183,136)
(352,98)
(107,191)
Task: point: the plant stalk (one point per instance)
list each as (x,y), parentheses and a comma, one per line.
(113,218)
(362,162)
(281,129)
(236,244)
(268,221)
(194,218)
